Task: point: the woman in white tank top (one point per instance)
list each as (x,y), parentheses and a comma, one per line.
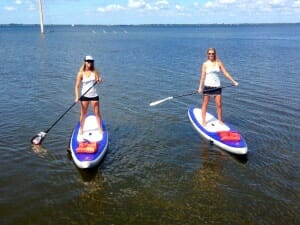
(210,84)
(86,77)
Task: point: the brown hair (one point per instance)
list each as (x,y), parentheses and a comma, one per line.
(92,65)
(83,67)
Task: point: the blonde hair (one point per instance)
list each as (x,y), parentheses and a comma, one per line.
(81,69)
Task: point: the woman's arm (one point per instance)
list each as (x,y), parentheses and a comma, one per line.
(226,73)
(98,77)
(77,85)
(203,74)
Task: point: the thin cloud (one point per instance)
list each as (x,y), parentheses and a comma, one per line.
(137,4)
(296,4)
(163,4)
(110,8)
(219,3)
(9,8)
(254,6)
(31,7)
(179,8)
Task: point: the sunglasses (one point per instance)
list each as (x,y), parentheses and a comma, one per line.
(211,53)
(89,61)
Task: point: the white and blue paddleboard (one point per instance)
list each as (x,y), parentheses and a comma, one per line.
(223,136)
(85,158)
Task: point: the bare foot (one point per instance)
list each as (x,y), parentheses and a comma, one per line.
(221,122)
(204,124)
(101,131)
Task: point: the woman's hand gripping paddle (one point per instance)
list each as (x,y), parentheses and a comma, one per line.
(38,138)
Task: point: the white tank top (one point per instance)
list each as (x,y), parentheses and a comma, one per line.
(88,82)
(212,78)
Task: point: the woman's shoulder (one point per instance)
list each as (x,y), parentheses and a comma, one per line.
(219,62)
(80,73)
(96,72)
(205,63)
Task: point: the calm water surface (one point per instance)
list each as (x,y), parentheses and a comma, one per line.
(157,170)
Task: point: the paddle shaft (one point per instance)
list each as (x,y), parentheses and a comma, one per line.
(213,89)
(69,109)
(179,96)
(195,92)
(182,95)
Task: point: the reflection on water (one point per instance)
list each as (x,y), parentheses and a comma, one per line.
(39,150)
(88,175)
(210,173)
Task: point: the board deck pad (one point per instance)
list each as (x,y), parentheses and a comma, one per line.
(91,132)
(212,123)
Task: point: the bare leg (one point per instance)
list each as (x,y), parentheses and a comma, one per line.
(218,100)
(205,102)
(83,112)
(96,107)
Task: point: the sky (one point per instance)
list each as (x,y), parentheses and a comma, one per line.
(113,12)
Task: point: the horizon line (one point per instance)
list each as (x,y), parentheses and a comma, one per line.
(147,24)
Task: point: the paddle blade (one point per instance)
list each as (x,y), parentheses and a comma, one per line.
(37,139)
(160,101)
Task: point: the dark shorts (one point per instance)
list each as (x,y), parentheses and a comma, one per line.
(212,90)
(83,98)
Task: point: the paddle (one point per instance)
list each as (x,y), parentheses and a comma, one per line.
(38,138)
(179,96)
(171,97)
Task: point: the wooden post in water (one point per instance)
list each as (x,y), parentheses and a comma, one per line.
(41,16)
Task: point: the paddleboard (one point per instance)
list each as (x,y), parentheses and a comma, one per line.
(88,149)
(223,136)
